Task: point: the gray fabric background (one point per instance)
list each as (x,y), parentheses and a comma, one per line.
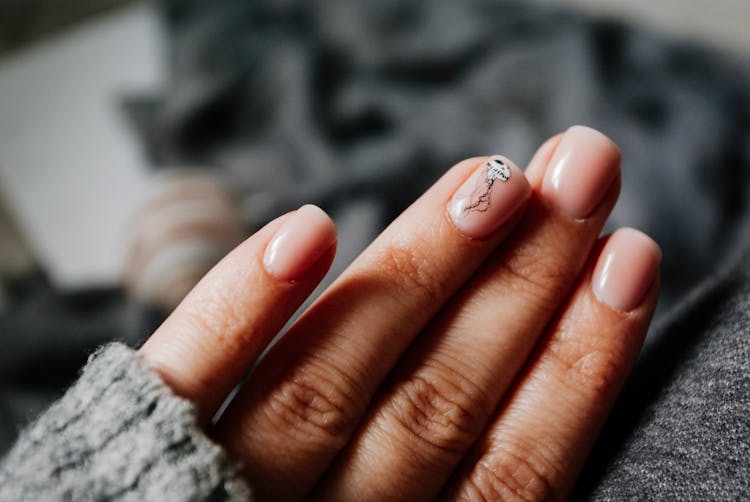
(681,430)
(359,106)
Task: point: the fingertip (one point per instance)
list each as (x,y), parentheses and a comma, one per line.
(583,167)
(489,197)
(626,269)
(584,130)
(538,163)
(299,243)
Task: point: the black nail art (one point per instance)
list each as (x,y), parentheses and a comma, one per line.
(494,169)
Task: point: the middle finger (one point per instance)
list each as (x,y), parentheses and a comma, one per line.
(315,385)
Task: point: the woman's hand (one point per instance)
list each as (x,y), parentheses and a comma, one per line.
(472,351)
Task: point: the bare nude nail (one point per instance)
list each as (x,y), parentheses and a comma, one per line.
(538,163)
(489,197)
(626,268)
(584,165)
(299,243)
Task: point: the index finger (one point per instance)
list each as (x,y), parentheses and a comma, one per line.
(221,327)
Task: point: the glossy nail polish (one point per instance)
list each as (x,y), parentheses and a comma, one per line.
(584,165)
(299,243)
(626,268)
(489,197)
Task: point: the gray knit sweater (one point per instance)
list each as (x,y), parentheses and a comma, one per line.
(118,434)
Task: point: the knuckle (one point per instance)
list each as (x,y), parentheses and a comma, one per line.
(593,371)
(537,274)
(511,475)
(413,273)
(315,403)
(593,363)
(439,413)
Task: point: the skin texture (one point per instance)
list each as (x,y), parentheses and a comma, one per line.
(461,356)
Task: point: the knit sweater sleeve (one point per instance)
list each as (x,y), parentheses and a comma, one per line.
(118,433)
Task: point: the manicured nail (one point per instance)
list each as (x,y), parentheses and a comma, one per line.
(538,163)
(299,243)
(583,167)
(490,196)
(626,268)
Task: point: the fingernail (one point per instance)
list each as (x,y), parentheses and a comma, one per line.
(490,196)
(299,243)
(538,163)
(626,268)
(583,167)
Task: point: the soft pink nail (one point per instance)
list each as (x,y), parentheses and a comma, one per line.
(299,243)
(490,196)
(626,269)
(583,167)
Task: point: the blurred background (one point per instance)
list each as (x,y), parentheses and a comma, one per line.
(139,141)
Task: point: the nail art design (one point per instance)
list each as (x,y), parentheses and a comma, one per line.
(480,206)
(495,169)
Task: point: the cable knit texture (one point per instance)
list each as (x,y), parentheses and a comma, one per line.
(119,434)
